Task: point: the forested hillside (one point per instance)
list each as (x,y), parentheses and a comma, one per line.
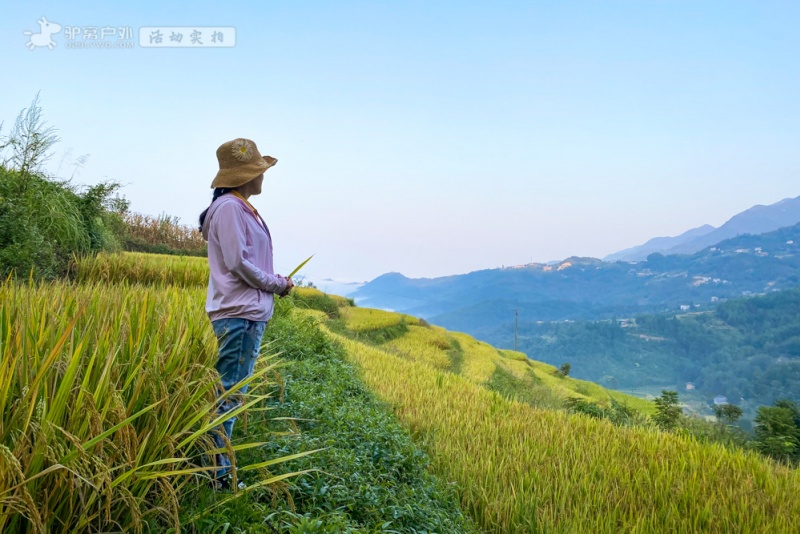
(747,350)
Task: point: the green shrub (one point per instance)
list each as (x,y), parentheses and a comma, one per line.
(668,411)
(43,221)
(40,225)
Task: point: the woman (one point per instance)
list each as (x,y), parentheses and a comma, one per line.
(242,281)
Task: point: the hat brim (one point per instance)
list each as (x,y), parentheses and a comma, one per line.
(242,174)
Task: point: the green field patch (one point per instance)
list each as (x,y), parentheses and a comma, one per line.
(361,320)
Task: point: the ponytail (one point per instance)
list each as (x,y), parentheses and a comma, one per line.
(218,192)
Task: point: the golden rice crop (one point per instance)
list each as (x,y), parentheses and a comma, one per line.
(522,469)
(479,358)
(513,355)
(106,396)
(476,360)
(367,319)
(137,267)
(314,292)
(519,369)
(315,314)
(566,387)
(430,345)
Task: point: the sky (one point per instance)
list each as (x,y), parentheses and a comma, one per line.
(427,138)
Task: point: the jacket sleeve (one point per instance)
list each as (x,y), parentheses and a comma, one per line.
(231,232)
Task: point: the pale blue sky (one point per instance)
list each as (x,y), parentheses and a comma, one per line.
(434,138)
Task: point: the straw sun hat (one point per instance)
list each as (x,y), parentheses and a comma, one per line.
(239,162)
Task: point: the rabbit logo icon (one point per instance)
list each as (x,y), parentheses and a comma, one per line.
(44,38)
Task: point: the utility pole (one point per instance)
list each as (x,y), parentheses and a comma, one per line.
(516,327)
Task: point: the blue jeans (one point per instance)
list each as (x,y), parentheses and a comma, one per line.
(239,341)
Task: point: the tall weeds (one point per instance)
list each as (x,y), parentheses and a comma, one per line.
(146,233)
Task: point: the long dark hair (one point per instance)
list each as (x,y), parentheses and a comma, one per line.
(218,192)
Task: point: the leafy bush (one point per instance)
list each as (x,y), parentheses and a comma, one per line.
(668,411)
(44,222)
(729,436)
(577,405)
(777,432)
(40,225)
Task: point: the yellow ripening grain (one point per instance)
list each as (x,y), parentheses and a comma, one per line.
(106,397)
(314,292)
(522,469)
(142,268)
(368,319)
(424,344)
(566,387)
(518,368)
(315,314)
(478,358)
(307,292)
(513,355)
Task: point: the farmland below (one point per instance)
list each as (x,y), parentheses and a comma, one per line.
(361,420)
(721,322)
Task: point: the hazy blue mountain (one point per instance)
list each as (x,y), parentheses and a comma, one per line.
(756,220)
(588,288)
(658,244)
(334,287)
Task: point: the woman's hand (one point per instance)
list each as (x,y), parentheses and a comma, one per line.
(289,286)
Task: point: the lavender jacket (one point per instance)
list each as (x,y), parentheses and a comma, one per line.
(242,280)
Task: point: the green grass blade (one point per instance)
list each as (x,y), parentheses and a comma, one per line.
(291,274)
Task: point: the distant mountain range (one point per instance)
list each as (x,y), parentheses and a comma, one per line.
(563,308)
(588,288)
(333,287)
(756,220)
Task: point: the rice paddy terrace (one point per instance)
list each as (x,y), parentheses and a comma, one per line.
(103,409)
